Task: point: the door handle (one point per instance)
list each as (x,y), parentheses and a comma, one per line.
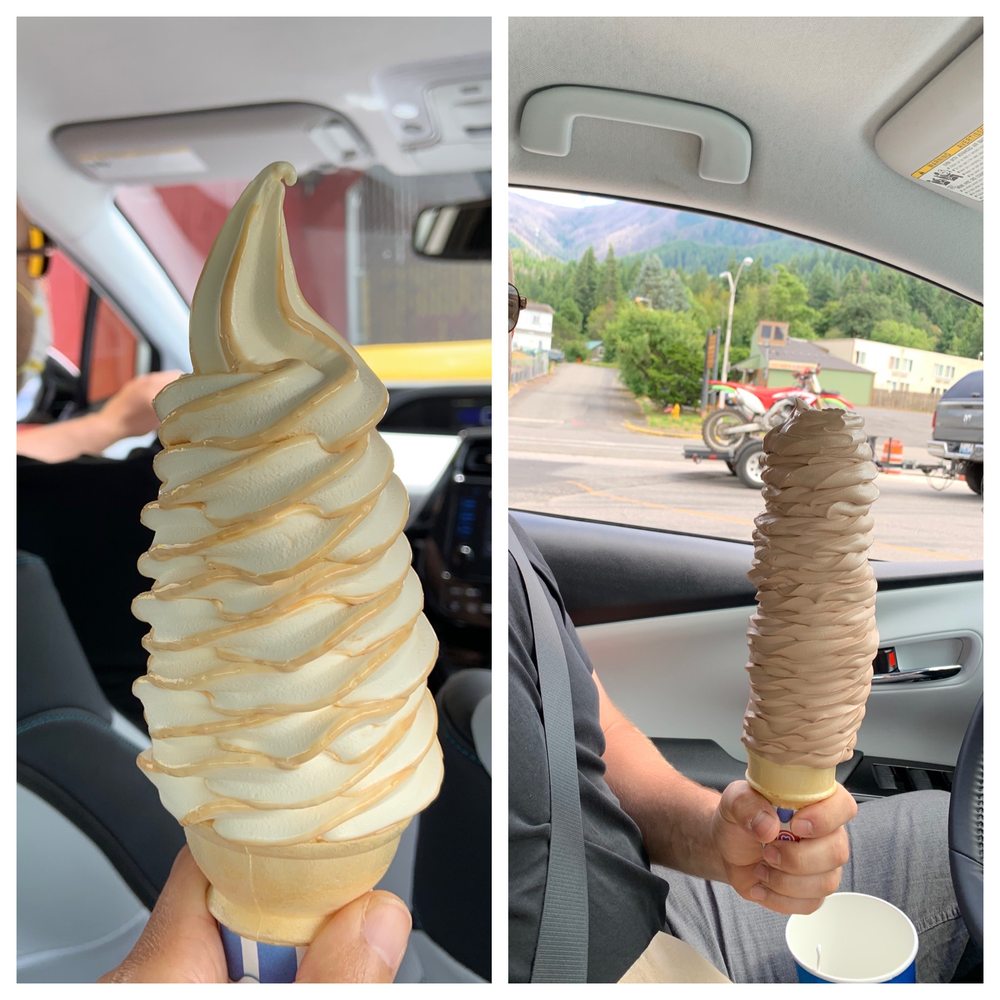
(914,676)
(548,116)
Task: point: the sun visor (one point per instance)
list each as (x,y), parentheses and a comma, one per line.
(936,139)
(212,145)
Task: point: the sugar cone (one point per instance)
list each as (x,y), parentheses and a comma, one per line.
(284,894)
(789,786)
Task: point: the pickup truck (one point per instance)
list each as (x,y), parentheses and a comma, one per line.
(957,428)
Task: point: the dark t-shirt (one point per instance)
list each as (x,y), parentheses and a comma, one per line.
(626,901)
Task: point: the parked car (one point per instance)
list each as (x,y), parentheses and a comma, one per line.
(957,429)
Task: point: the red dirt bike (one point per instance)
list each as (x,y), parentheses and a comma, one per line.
(753,410)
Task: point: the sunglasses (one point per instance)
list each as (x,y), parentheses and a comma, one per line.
(38,251)
(515,303)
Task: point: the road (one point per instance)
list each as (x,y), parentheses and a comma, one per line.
(570,453)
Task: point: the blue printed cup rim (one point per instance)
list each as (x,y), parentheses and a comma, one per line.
(888,908)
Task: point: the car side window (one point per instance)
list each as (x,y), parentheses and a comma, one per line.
(659,346)
(90,339)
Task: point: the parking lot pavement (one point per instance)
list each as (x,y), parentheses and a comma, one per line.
(569,454)
(911,428)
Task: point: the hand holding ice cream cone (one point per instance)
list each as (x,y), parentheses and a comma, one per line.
(362,943)
(781,876)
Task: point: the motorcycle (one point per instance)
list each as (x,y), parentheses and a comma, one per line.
(753,410)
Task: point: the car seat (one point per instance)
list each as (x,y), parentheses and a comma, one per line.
(94,844)
(451,877)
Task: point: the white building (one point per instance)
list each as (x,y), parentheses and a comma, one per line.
(533,332)
(903,369)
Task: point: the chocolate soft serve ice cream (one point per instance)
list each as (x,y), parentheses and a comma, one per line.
(293,734)
(813,638)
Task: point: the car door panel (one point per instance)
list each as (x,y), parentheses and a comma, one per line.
(679,673)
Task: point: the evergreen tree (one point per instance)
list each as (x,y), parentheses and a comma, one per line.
(674,296)
(585,285)
(822,285)
(611,282)
(650,282)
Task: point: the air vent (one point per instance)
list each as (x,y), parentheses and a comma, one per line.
(478,459)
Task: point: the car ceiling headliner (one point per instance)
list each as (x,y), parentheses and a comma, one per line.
(813,93)
(86,69)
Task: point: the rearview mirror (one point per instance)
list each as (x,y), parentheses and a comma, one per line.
(455,232)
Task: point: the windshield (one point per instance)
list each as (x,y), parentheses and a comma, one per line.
(350,238)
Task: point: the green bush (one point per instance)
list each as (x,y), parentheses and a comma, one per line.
(575,350)
(660,354)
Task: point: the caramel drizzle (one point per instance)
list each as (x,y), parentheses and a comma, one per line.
(181,495)
(307,594)
(359,615)
(373,796)
(295,500)
(286,426)
(316,569)
(236,572)
(232,757)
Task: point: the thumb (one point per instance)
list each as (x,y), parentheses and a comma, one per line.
(362,943)
(743,807)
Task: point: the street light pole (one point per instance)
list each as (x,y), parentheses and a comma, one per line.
(733,282)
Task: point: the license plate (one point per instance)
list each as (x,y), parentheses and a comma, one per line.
(965,449)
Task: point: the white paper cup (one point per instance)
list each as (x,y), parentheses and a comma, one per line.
(853,938)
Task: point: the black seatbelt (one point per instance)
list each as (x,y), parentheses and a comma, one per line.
(563,933)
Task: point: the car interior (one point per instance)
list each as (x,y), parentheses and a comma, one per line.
(790,123)
(134,137)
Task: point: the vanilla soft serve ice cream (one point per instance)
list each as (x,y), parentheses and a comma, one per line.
(813,638)
(285,695)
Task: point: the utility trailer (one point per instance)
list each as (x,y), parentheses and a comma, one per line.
(744,462)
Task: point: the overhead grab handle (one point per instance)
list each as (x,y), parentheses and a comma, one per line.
(548,116)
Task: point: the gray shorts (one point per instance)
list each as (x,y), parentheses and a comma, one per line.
(899,852)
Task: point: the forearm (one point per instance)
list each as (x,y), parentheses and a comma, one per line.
(67,439)
(673,813)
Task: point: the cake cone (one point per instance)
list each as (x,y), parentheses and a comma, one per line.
(284,894)
(789,786)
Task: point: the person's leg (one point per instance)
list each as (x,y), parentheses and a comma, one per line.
(899,852)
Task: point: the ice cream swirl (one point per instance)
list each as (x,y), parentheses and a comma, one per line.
(813,638)
(285,694)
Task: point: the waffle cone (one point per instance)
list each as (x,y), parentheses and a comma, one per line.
(284,894)
(791,786)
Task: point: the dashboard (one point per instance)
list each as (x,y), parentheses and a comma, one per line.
(449,527)
(432,410)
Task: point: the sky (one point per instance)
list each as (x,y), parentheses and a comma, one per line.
(565,198)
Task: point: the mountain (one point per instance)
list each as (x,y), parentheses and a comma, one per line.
(680,238)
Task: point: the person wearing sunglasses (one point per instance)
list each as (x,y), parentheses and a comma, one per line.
(129,413)
(515,303)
